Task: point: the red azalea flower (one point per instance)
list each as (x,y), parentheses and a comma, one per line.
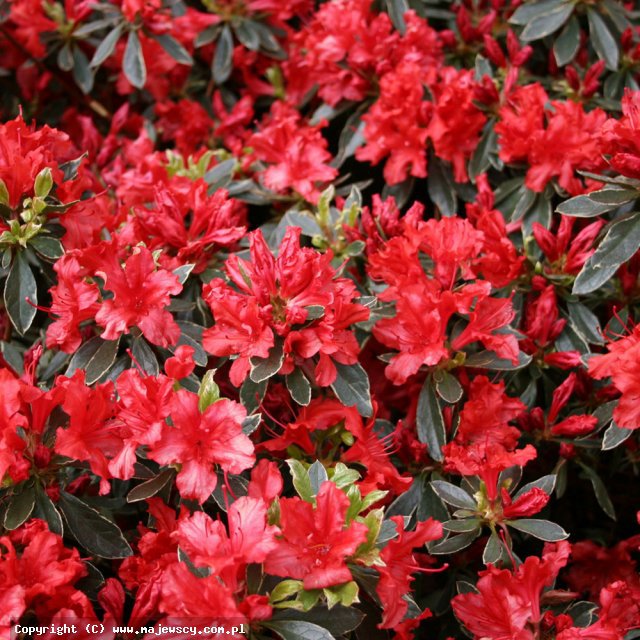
(315,542)
(140,294)
(199,441)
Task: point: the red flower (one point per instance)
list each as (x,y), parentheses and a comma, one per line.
(316,542)
(198,441)
(621,138)
(399,564)
(140,294)
(296,152)
(506,603)
(274,300)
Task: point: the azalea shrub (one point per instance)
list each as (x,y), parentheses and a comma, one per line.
(320,319)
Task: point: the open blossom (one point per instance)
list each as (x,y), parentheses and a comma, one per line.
(315,543)
(297,153)
(621,137)
(274,300)
(621,365)
(200,441)
(140,294)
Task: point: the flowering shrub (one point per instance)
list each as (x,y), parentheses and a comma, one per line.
(320,319)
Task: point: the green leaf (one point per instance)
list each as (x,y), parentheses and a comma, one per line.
(453,544)
(527,11)
(264,368)
(46,510)
(219,176)
(440,186)
(301,480)
(600,490)
(584,207)
(546,483)
(43,183)
(541,529)
(489,360)
(20,507)
(317,475)
(209,391)
(251,423)
(453,495)
(299,387)
(462,526)
(102,360)
(604,42)
(585,322)
(174,49)
(94,532)
(396,10)
(298,630)
(448,387)
(488,145)
(339,621)
(145,356)
(614,436)
(183,272)
(567,43)
(47,246)
(133,64)
(251,394)
(150,487)
(65,57)
(82,72)
(620,243)
(106,47)
(223,58)
(351,386)
(247,34)
(547,23)
(429,420)
(19,287)
(492,550)
(614,196)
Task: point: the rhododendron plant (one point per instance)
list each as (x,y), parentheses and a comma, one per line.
(320,319)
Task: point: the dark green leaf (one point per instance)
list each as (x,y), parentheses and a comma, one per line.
(492,550)
(462,526)
(429,420)
(174,49)
(19,287)
(448,387)
(102,360)
(133,64)
(567,44)
(338,621)
(585,322)
(351,386)
(299,387)
(251,423)
(151,487)
(396,10)
(547,23)
(453,544)
(207,36)
(20,507)
(65,57)
(47,246)
(440,186)
(317,475)
(489,360)
(298,630)
(82,72)
(82,356)
(106,47)
(614,436)
(488,145)
(248,34)
(264,368)
(251,394)
(223,59)
(604,42)
(546,483)
(614,196)
(219,176)
(620,243)
(600,489)
(183,272)
(541,529)
(453,495)
(94,532)
(584,207)
(527,11)
(145,356)
(46,510)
